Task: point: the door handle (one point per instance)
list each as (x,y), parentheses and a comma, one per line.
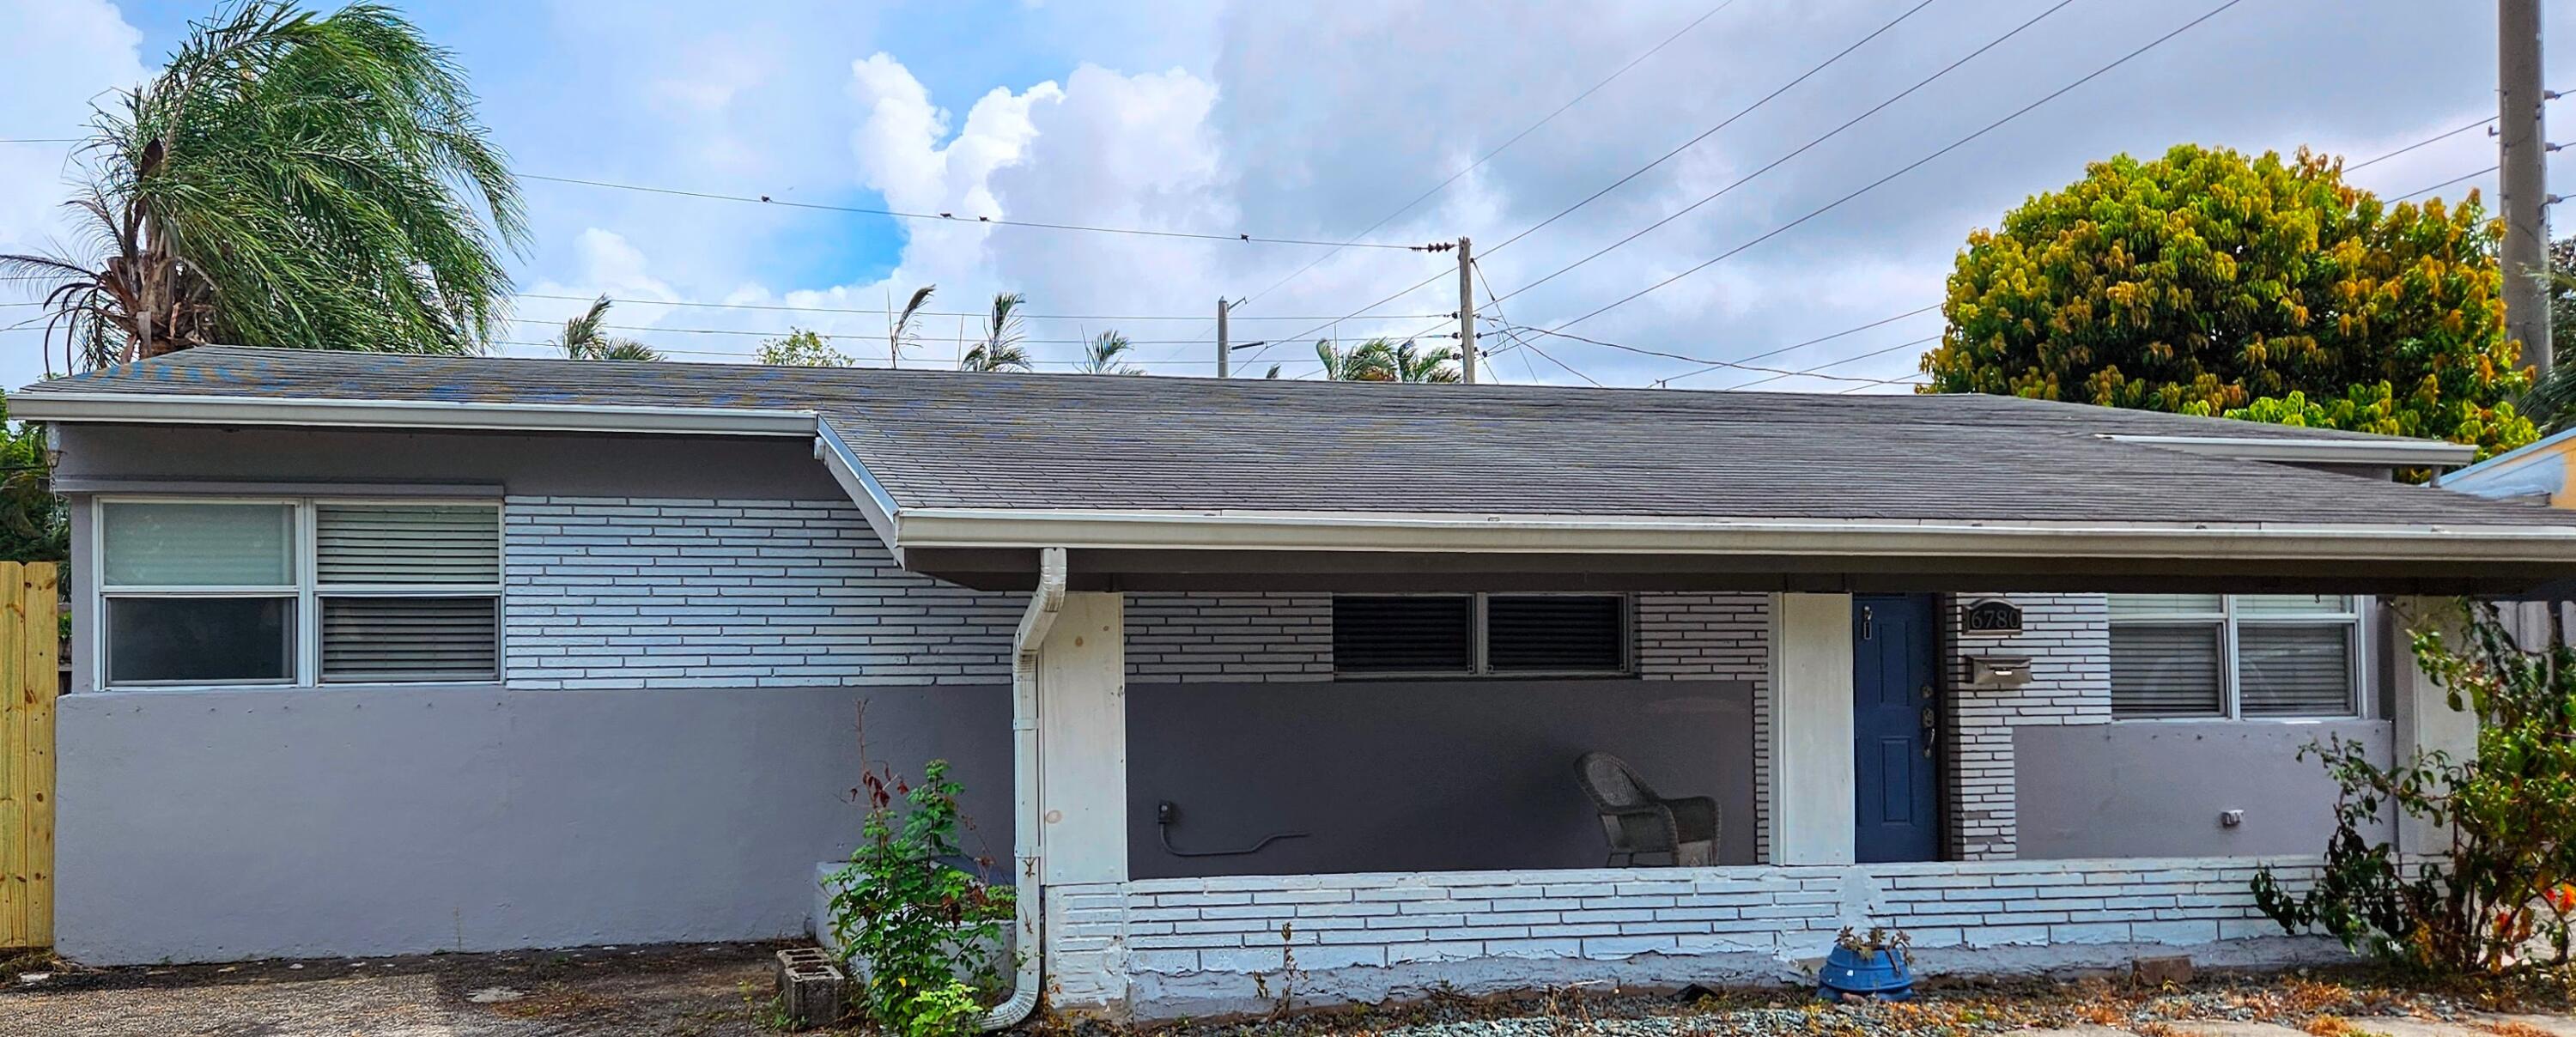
(1931,728)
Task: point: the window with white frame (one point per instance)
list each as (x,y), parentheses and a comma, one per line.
(2252,656)
(217,592)
(1498,635)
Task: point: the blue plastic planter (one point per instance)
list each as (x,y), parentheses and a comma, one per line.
(1884,975)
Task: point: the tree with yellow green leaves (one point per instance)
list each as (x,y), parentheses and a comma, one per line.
(2207,282)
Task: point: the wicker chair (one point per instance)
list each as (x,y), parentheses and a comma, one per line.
(1636,821)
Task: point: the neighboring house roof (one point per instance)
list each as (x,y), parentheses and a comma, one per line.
(2534,472)
(934,453)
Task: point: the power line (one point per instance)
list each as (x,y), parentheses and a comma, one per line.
(1659,160)
(1908,167)
(873,312)
(1728,121)
(1498,149)
(1803,345)
(2446,183)
(1503,324)
(752,332)
(1643,351)
(1801,149)
(2436,138)
(949,217)
(1837,363)
(40,140)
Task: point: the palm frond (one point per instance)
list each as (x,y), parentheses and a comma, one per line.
(1101,355)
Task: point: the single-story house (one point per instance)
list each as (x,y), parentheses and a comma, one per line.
(380,654)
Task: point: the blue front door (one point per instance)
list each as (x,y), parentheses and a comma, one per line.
(1892,727)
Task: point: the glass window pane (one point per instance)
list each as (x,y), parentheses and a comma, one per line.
(2165,671)
(1411,634)
(407,543)
(410,639)
(2251,605)
(2126,606)
(200,640)
(2294,670)
(1554,633)
(198,545)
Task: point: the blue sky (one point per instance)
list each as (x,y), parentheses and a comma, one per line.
(1315,121)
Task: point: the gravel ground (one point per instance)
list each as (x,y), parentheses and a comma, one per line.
(723,991)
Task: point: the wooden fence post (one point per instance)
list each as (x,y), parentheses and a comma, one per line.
(28,684)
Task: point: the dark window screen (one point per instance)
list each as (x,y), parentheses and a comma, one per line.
(1410,634)
(200,640)
(1554,633)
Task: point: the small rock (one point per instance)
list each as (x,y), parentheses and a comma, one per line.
(297,965)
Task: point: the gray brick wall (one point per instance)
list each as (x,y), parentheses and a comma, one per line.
(628,592)
(2067,639)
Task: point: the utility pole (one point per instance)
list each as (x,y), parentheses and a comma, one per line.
(1466,313)
(1224,351)
(2524,156)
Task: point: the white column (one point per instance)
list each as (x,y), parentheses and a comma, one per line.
(2420,709)
(1812,797)
(1082,754)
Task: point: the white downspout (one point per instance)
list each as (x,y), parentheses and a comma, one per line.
(1030,886)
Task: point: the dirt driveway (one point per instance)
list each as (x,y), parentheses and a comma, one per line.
(696,991)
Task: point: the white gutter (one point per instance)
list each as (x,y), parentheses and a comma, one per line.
(875,504)
(924,528)
(1030,887)
(2397,453)
(517,417)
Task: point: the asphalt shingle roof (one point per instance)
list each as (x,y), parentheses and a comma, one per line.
(950,439)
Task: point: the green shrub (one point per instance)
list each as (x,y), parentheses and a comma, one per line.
(2497,899)
(921,930)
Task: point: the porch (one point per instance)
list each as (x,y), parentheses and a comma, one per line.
(1243,810)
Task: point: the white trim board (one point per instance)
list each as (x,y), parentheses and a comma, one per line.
(517,417)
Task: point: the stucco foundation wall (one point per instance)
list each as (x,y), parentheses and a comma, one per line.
(1177,947)
(2156,789)
(221,825)
(1418,775)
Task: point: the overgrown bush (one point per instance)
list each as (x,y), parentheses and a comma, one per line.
(2496,899)
(918,930)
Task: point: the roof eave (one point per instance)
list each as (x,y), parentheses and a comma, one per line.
(460,415)
(926,528)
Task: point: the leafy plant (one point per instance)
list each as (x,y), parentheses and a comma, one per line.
(801,347)
(2495,901)
(918,929)
(1871,944)
(2209,282)
(286,180)
(899,330)
(1102,355)
(1000,350)
(586,338)
(1385,360)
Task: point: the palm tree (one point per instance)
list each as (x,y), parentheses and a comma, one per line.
(899,333)
(585,338)
(1384,360)
(1101,355)
(1000,350)
(286,180)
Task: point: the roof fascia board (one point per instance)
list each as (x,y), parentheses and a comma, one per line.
(2409,453)
(1343,531)
(507,417)
(883,514)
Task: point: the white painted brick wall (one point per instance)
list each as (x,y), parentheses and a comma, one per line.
(1249,925)
(1230,637)
(2067,639)
(627,592)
